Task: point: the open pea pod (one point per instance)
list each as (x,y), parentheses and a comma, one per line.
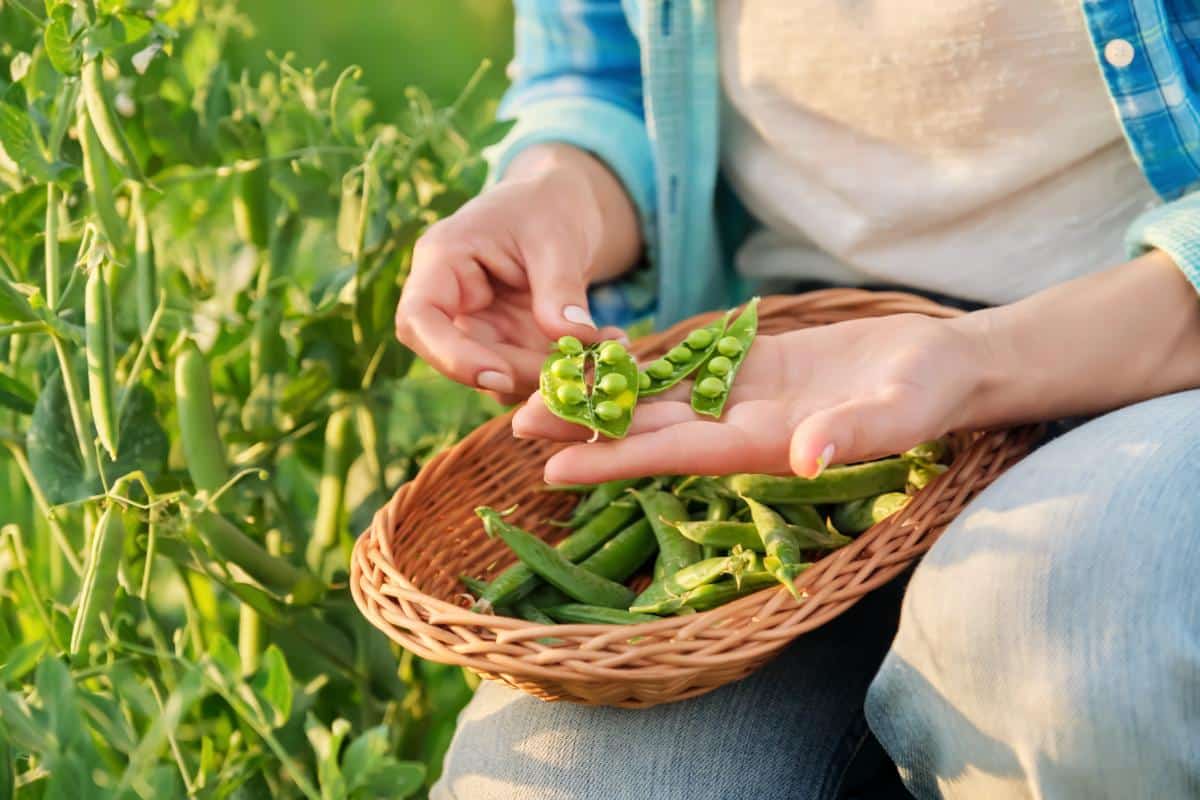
(681,360)
(614,390)
(563,385)
(714,380)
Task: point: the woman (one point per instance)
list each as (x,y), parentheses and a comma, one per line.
(1049,645)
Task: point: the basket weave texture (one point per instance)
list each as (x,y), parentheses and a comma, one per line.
(405,566)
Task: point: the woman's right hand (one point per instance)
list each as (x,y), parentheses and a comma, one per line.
(494,283)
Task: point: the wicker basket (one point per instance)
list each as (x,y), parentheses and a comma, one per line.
(405,567)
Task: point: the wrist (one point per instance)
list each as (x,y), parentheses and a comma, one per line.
(994,380)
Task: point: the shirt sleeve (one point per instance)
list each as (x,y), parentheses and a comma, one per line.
(1174,228)
(577,79)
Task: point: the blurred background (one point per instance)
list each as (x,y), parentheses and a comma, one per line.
(433,44)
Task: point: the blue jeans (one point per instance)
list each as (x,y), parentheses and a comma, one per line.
(1048,646)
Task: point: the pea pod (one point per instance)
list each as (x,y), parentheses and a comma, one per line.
(933,451)
(801,514)
(704,598)
(614,390)
(202,446)
(681,360)
(834,485)
(563,385)
(601,497)
(596,615)
(102,388)
(550,565)
(145,268)
(519,580)
(474,585)
(228,542)
(858,515)
(725,534)
(100,579)
(331,493)
(664,509)
(714,380)
(667,595)
(783,547)
(528,611)
(104,119)
(99,183)
(621,556)
(251,202)
(923,473)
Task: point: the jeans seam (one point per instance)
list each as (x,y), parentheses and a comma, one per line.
(839,765)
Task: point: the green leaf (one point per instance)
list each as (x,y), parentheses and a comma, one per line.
(18,142)
(273,684)
(8,772)
(395,779)
(222,653)
(57,691)
(492,133)
(54,455)
(15,395)
(16,302)
(18,725)
(61,48)
(21,661)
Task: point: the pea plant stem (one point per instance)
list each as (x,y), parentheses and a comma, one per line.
(251,164)
(75,403)
(53,259)
(22,327)
(56,529)
(17,547)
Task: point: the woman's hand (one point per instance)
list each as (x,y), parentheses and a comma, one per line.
(837,394)
(492,284)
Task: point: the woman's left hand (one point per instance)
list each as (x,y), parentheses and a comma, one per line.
(802,400)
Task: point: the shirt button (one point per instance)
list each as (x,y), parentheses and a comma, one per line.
(1119,53)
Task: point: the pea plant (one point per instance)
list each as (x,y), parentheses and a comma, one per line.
(201,402)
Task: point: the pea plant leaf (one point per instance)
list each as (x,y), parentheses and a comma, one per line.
(61,47)
(273,686)
(54,454)
(19,144)
(17,302)
(15,395)
(371,771)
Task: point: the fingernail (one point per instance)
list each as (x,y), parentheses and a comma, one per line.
(496,381)
(824,459)
(578,315)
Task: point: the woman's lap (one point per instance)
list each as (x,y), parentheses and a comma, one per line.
(1051,639)
(1049,643)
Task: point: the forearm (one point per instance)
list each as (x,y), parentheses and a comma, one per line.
(611,214)
(1097,343)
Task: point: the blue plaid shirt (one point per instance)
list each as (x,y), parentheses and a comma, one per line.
(635,82)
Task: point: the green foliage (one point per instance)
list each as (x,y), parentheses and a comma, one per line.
(264,224)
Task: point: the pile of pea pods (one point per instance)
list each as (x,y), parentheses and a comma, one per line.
(698,541)
(712,353)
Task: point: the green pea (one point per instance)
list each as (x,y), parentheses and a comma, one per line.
(711,387)
(611,353)
(699,339)
(643,381)
(679,355)
(608,411)
(720,366)
(570,346)
(570,394)
(660,369)
(613,383)
(565,369)
(729,346)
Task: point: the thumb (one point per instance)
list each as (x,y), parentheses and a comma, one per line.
(854,431)
(559,292)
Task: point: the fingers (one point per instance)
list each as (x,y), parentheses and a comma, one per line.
(558,283)
(856,431)
(698,447)
(534,421)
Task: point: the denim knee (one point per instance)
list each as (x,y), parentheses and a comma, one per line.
(1050,642)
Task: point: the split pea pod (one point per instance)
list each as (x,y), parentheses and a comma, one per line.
(202,445)
(101,369)
(100,578)
(858,515)
(667,595)
(550,565)
(714,380)
(104,119)
(834,485)
(614,390)
(596,615)
(563,385)
(99,183)
(704,598)
(519,580)
(664,509)
(681,360)
(785,559)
